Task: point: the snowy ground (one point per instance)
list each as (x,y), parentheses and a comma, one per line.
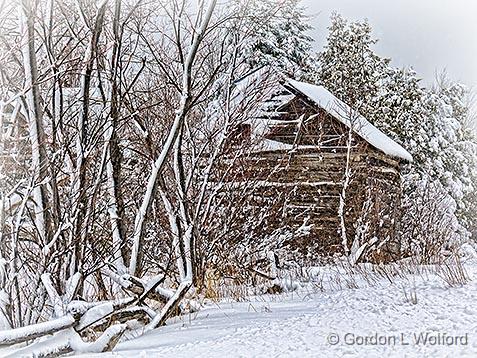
(333,323)
(329,318)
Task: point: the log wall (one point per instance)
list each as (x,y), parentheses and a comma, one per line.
(310,178)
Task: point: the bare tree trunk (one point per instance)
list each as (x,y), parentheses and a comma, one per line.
(37,136)
(13,269)
(80,178)
(158,166)
(113,165)
(346,180)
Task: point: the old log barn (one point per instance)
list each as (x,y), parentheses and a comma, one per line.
(340,175)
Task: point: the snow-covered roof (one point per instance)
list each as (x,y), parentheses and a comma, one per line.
(342,112)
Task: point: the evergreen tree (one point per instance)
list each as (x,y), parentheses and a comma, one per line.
(455,147)
(429,123)
(399,110)
(280,37)
(348,66)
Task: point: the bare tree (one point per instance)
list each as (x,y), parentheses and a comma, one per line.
(124,113)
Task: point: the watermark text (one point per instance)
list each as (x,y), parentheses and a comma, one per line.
(429,338)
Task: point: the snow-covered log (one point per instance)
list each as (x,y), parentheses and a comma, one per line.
(100,311)
(170,306)
(68,341)
(28,333)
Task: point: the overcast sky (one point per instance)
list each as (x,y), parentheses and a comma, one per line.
(429,35)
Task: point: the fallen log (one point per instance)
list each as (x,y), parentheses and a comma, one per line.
(80,316)
(171,305)
(28,333)
(100,312)
(150,290)
(141,314)
(110,317)
(68,341)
